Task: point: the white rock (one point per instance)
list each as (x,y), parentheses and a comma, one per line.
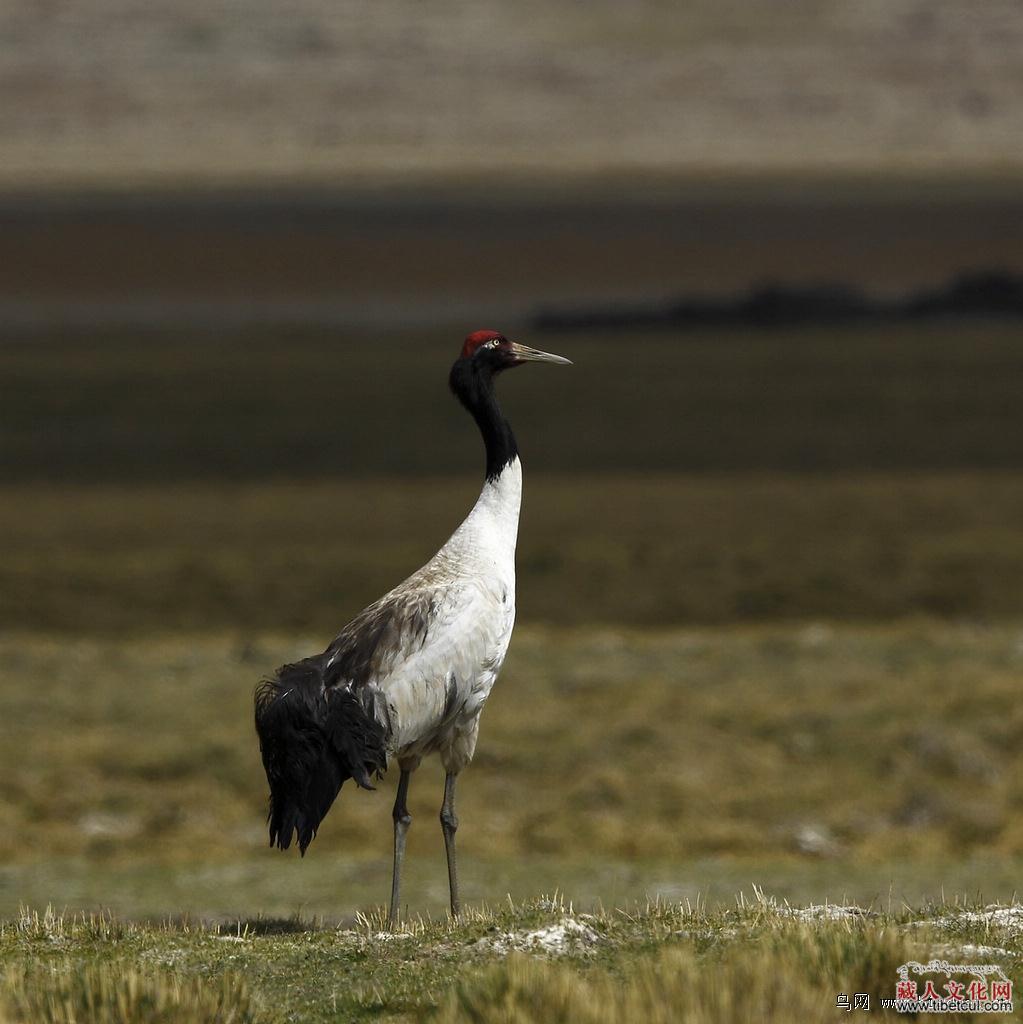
(566,935)
(1010,918)
(826,912)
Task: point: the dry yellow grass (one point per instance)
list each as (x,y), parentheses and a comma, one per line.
(670,755)
(104,993)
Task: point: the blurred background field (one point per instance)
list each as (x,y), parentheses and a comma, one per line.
(282,479)
(771,621)
(876,763)
(770,617)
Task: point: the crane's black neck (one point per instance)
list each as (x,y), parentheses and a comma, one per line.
(472,381)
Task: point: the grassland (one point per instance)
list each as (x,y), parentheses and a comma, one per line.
(532,963)
(729,671)
(819,761)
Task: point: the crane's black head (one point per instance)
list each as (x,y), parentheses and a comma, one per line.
(489,352)
(484,355)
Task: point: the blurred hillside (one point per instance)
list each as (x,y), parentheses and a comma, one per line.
(117,91)
(416,257)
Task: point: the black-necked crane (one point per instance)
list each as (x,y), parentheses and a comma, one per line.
(410,674)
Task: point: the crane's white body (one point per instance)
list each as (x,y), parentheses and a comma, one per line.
(432,682)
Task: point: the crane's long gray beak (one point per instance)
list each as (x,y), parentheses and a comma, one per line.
(525,354)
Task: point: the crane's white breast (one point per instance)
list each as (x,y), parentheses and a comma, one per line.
(440,689)
(433,692)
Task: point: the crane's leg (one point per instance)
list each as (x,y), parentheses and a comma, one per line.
(449,825)
(402,820)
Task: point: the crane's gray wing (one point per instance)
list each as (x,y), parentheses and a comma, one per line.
(387,631)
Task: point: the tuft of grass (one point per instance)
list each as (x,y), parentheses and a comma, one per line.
(660,989)
(794,974)
(844,956)
(118,993)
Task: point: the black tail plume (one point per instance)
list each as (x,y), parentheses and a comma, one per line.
(312,739)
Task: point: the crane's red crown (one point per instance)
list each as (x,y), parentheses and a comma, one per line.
(477,338)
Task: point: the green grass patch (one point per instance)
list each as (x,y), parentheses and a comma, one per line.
(539,961)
